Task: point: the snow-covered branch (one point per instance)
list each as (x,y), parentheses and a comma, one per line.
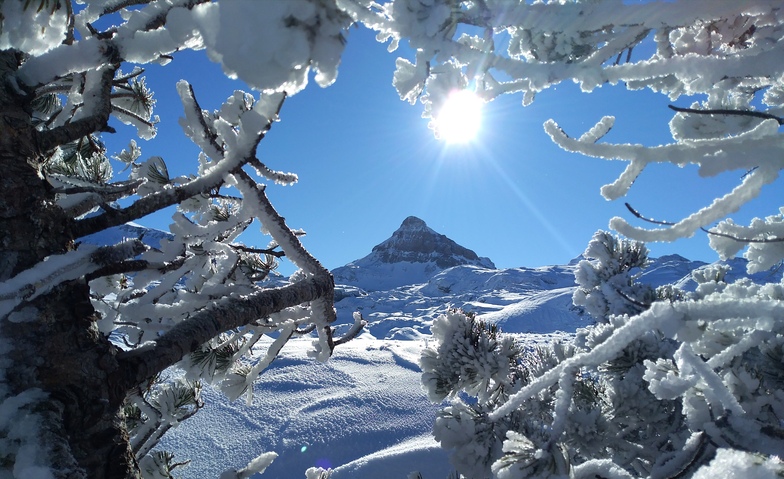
(725,51)
(141,364)
(58,269)
(95,114)
(757,149)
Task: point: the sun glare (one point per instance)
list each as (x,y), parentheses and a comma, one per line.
(460,117)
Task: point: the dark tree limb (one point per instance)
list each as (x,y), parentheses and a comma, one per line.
(113,190)
(142,207)
(208,135)
(47,140)
(356,328)
(121,5)
(128,113)
(247,249)
(755,114)
(133,266)
(743,240)
(139,365)
(649,220)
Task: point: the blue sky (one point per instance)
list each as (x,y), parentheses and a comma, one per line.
(366,160)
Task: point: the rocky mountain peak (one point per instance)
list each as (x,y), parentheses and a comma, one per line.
(412,255)
(415,242)
(412,223)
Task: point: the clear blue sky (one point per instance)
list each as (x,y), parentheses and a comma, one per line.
(366,160)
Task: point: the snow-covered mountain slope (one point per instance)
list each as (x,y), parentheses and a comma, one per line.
(412,255)
(362,413)
(669,269)
(127,231)
(400,299)
(511,297)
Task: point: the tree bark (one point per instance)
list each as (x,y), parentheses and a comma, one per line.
(51,348)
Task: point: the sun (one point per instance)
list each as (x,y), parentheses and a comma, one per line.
(460,117)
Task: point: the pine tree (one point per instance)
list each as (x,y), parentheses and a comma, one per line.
(687,387)
(87,331)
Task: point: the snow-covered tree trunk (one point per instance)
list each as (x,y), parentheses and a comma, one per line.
(63,374)
(66,380)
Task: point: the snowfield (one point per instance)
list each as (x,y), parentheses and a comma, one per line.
(363,413)
(365,399)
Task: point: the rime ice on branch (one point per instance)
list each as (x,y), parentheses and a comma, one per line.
(670,383)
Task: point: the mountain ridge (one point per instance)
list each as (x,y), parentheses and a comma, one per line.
(411,255)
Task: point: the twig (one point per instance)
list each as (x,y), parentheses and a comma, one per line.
(248,249)
(649,220)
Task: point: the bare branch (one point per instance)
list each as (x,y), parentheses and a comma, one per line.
(121,5)
(248,249)
(123,188)
(69,35)
(755,114)
(142,207)
(280,231)
(207,134)
(710,232)
(123,111)
(120,81)
(306,330)
(162,199)
(133,266)
(743,240)
(649,220)
(631,300)
(356,328)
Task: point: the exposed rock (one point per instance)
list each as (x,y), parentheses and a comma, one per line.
(415,242)
(412,255)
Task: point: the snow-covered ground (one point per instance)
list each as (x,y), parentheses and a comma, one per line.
(362,413)
(351,413)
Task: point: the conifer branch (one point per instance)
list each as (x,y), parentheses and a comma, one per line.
(50,139)
(139,365)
